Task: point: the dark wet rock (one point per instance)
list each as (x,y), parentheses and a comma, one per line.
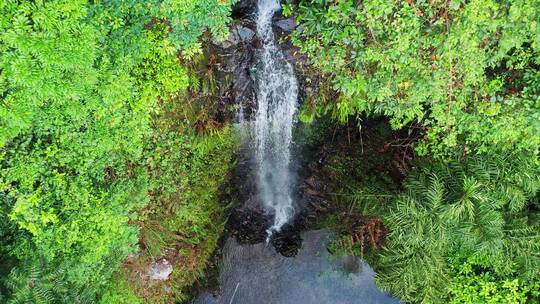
(287,241)
(231,41)
(248,222)
(286,25)
(234,59)
(253,203)
(246,34)
(249,226)
(244,8)
(238,33)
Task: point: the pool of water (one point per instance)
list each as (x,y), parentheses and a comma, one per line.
(257,274)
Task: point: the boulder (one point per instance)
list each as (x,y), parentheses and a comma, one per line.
(286,25)
(238,34)
(244,33)
(160,270)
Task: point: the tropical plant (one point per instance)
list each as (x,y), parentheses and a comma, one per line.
(473,283)
(34,283)
(474,210)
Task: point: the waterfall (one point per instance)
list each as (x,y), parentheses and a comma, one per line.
(277,94)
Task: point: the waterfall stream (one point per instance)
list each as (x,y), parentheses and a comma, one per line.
(250,271)
(277,94)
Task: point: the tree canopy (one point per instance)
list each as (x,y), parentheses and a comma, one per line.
(79,82)
(462,78)
(465,71)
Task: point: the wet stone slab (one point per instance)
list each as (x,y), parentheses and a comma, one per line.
(257,274)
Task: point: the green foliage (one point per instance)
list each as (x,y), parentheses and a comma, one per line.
(467,74)
(35,283)
(363,176)
(119,292)
(472,284)
(467,71)
(79,81)
(188,172)
(184,215)
(363,180)
(475,210)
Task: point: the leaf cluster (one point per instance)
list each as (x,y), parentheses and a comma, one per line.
(475,211)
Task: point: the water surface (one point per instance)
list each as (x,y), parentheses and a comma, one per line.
(257,274)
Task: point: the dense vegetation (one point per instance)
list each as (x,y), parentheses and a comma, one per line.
(466,72)
(80,134)
(463,78)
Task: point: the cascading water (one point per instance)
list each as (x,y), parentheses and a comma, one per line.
(258,273)
(277,94)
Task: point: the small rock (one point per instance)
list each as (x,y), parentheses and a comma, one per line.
(286,25)
(245,34)
(160,270)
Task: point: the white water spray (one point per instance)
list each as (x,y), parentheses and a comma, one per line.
(277,94)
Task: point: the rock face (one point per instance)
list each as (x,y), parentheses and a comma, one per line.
(244,8)
(160,270)
(246,34)
(239,33)
(234,66)
(235,58)
(248,222)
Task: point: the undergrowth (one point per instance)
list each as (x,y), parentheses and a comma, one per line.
(188,160)
(184,219)
(364,179)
